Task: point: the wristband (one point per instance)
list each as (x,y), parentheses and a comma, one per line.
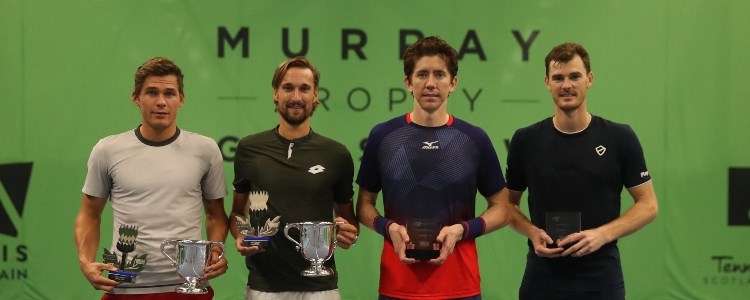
(473,228)
(381,225)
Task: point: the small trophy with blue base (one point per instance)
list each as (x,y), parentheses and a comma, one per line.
(125,244)
(257,226)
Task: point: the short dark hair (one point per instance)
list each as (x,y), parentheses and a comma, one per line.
(157,66)
(564,53)
(296,62)
(428,46)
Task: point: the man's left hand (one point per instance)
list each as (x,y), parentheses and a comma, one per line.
(583,243)
(217,267)
(347,234)
(448,237)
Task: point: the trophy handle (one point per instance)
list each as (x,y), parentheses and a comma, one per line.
(220,244)
(171,242)
(334,228)
(286,233)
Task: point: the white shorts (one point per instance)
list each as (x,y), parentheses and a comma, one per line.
(321,295)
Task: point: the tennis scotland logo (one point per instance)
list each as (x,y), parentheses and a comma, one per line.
(739,197)
(14,184)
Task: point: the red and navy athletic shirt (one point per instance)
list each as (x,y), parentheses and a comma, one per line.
(430,172)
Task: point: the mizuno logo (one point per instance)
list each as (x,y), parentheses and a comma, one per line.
(430,145)
(600,150)
(316,169)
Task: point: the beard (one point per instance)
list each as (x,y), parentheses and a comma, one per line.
(295,118)
(570,100)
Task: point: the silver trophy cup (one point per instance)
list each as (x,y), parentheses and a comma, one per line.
(193,256)
(317,241)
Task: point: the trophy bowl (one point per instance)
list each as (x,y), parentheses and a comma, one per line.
(317,242)
(193,256)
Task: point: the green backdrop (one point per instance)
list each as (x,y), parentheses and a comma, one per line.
(674,70)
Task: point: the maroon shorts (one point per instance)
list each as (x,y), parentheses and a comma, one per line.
(161,296)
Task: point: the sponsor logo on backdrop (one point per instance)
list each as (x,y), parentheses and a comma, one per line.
(354,42)
(728,270)
(739,197)
(236,42)
(14,185)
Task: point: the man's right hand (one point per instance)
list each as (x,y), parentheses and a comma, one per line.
(540,240)
(93,272)
(245,250)
(399,238)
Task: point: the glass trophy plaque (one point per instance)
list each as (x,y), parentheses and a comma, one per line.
(560,224)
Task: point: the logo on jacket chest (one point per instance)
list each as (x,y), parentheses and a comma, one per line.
(600,150)
(316,169)
(430,145)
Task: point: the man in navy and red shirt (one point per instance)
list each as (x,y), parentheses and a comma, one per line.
(429,166)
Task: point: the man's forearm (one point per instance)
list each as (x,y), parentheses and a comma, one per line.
(86,236)
(366,211)
(520,223)
(216,230)
(216,220)
(497,214)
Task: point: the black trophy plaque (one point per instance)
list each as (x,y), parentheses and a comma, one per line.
(422,234)
(561,224)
